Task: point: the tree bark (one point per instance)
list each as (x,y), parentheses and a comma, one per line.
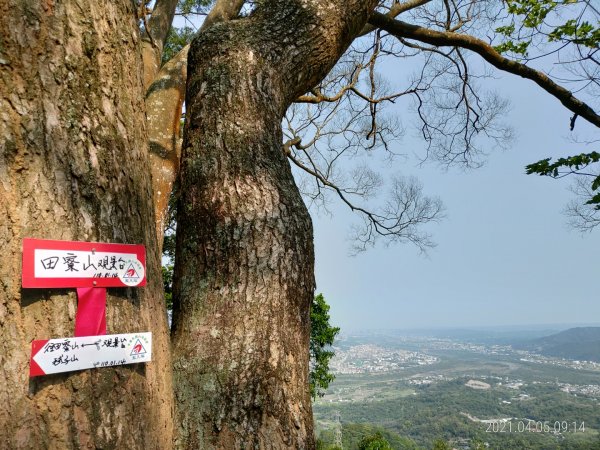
(164,102)
(244,267)
(74,166)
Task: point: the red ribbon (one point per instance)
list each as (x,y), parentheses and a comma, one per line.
(90,319)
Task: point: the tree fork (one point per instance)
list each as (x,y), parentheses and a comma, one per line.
(164,102)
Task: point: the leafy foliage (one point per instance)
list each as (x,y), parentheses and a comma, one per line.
(519,48)
(323,446)
(573,165)
(439,444)
(179,37)
(533,11)
(356,434)
(579,33)
(187,7)
(167,274)
(374,442)
(176,40)
(532,15)
(322,335)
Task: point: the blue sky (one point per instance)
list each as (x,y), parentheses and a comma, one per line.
(505,254)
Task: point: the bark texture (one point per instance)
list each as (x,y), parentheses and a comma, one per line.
(244,270)
(164,102)
(74,166)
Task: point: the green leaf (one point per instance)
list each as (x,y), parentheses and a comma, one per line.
(322,336)
(176,40)
(574,163)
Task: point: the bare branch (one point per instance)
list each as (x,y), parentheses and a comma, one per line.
(222,11)
(456,118)
(400,218)
(396,9)
(440,38)
(333,130)
(318,97)
(583,217)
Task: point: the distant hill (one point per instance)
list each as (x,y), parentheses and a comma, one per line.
(581,344)
(507,335)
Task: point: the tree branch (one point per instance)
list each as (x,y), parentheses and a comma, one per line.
(160,21)
(223,11)
(395,11)
(318,97)
(164,102)
(155,32)
(486,51)
(398,220)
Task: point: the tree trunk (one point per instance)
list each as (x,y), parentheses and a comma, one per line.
(244,266)
(74,166)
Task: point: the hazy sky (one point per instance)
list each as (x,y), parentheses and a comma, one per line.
(505,254)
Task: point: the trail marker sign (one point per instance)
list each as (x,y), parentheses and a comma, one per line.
(64,264)
(90,267)
(79,353)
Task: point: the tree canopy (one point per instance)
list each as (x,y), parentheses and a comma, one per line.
(374,442)
(552,43)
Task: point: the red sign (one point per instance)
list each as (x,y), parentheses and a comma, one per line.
(54,264)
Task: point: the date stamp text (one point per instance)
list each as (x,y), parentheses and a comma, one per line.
(534,426)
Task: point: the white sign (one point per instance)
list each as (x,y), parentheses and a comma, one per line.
(60,264)
(90,352)
(80,264)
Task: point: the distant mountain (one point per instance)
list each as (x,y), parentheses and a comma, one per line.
(494,335)
(506,335)
(581,344)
